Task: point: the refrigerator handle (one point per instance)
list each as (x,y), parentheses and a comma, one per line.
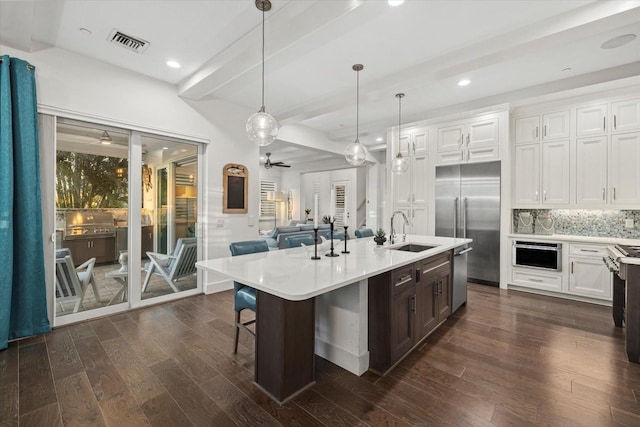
(455,217)
(464,212)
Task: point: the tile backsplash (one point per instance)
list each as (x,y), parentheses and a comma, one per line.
(595,223)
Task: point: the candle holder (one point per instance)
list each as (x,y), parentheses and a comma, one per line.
(332,254)
(315,243)
(345,240)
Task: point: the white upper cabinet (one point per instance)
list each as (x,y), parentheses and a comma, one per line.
(412,187)
(624,167)
(555,173)
(626,115)
(483,132)
(549,126)
(591,171)
(527,129)
(451,137)
(591,120)
(474,140)
(420,140)
(527,175)
(556,125)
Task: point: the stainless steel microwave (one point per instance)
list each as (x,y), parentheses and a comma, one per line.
(542,255)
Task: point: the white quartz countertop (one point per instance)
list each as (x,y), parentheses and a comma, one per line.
(291,273)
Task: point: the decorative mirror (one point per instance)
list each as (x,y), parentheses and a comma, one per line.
(235,180)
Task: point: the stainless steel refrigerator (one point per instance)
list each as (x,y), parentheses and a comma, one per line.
(468,205)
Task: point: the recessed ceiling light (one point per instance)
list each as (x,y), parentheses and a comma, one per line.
(566,69)
(464,82)
(379,139)
(618,41)
(173,64)
(262,159)
(85,31)
(165,148)
(395,3)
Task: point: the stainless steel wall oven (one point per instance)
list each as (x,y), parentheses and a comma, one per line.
(543,255)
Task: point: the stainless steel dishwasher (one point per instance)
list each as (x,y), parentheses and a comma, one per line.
(459,291)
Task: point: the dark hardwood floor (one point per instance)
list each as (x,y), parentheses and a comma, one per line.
(508,358)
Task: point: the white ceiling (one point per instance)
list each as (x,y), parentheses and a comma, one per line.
(422,48)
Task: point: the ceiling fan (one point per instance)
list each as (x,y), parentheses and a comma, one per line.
(268,164)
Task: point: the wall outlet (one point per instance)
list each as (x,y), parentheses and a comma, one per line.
(628,223)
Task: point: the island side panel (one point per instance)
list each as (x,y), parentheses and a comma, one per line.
(632,313)
(379,322)
(341,327)
(284,345)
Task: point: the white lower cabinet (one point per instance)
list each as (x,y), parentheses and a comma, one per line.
(588,276)
(537,279)
(584,275)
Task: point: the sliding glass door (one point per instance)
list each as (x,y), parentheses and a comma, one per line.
(122,219)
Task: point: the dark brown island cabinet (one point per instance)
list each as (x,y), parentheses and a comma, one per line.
(405,306)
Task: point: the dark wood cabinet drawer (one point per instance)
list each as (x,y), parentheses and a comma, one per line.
(403,278)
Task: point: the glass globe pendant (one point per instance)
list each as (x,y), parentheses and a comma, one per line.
(399,164)
(356,153)
(261,127)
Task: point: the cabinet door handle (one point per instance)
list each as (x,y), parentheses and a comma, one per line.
(544,133)
(535,280)
(544,195)
(537,196)
(604,123)
(440,287)
(536,132)
(588,250)
(435,289)
(468,138)
(615,125)
(603,194)
(403,280)
(614,193)
(437,266)
(412,304)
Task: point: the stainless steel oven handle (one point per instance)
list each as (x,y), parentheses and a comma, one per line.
(539,248)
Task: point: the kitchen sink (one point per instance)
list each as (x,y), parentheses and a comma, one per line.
(412,247)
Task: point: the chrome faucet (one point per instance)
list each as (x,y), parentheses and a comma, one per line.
(392,236)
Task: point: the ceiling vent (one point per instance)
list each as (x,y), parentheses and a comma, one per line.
(135,44)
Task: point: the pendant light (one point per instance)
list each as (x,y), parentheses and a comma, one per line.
(400,164)
(262,128)
(356,152)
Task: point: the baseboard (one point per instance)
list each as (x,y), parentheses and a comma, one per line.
(354,363)
(218,286)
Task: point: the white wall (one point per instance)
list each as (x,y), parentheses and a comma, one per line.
(79,87)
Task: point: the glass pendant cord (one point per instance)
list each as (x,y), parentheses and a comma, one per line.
(262,127)
(357,104)
(262,108)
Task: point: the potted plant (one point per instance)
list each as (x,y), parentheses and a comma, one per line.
(326,219)
(306,214)
(379,237)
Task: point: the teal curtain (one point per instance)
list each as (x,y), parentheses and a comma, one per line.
(23,292)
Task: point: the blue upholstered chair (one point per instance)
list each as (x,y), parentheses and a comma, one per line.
(296,241)
(337,235)
(365,232)
(245,296)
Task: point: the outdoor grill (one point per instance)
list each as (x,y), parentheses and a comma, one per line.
(88,225)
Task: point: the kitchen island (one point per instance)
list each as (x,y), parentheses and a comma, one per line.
(321,306)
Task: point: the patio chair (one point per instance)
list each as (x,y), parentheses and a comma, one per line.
(71,284)
(173,267)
